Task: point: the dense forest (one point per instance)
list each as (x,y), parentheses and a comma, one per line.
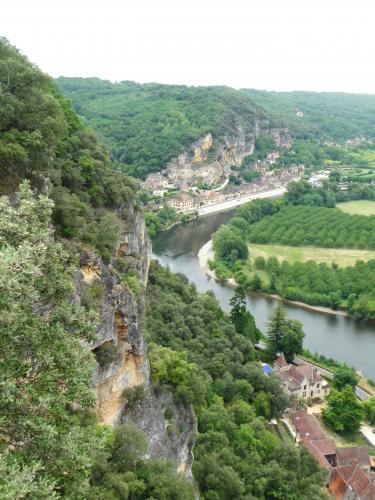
(331,115)
(43,140)
(290,222)
(62,193)
(147,125)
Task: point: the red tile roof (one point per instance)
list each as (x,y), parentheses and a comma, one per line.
(281,361)
(315,447)
(354,455)
(313,437)
(354,478)
(307,426)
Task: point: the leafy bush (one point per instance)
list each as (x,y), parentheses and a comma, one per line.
(134,396)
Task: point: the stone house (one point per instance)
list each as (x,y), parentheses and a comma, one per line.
(183,202)
(302,380)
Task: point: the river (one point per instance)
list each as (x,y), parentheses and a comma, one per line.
(339,337)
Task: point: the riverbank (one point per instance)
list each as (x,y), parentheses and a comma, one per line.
(206,253)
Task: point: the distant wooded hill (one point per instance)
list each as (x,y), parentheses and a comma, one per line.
(147,125)
(333,115)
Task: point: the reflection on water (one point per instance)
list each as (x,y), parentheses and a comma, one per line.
(340,337)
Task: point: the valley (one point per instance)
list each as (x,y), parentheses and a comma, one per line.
(171,368)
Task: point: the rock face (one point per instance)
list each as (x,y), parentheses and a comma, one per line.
(120,348)
(209,160)
(170,429)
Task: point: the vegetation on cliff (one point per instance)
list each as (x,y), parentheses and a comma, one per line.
(51,444)
(46,439)
(42,139)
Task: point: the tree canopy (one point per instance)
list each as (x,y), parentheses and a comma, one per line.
(344,412)
(283,335)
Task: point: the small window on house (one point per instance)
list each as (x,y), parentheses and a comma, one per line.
(304,387)
(317,386)
(312,393)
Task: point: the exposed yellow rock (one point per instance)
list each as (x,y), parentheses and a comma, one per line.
(90,273)
(122,249)
(110,392)
(203,148)
(121,327)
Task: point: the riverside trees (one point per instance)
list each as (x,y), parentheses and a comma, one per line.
(266,221)
(283,335)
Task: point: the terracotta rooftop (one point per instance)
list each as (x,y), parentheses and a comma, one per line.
(354,479)
(313,438)
(320,448)
(355,455)
(307,426)
(281,361)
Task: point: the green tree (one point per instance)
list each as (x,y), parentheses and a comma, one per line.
(343,377)
(275,331)
(243,321)
(292,342)
(283,335)
(46,365)
(344,412)
(369,407)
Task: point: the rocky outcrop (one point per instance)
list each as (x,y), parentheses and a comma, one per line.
(170,429)
(120,348)
(210,160)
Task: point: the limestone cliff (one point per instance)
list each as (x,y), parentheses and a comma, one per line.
(210,160)
(120,348)
(170,429)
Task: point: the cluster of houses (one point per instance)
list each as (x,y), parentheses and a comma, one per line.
(188,199)
(350,470)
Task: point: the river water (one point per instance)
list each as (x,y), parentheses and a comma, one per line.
(339,337)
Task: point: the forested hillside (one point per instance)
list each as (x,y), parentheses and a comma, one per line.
(332,115)
(146,125)
(236,454)
(43,140)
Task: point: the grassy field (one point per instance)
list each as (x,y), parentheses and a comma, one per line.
(342,257)
(360,207)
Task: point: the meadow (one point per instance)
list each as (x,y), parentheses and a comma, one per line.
(359,207)
(341,256)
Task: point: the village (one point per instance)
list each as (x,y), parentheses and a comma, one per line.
(188,197)
(350,469)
